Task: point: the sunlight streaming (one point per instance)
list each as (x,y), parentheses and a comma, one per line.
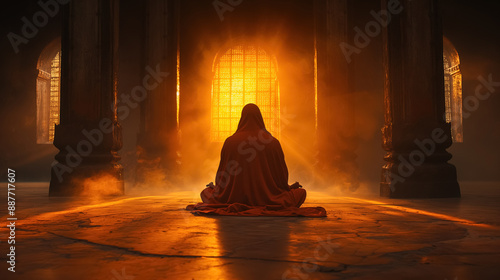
(418,211)
(244,74)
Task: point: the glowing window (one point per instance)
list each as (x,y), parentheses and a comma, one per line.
(453,90)
(48,92)
(242,75)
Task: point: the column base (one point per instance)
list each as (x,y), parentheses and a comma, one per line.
(89,180)
(88,162)
(432,180)
(417,162)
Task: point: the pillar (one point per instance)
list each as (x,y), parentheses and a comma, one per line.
(157,143)
(415,135)
(336,133)
(89,135)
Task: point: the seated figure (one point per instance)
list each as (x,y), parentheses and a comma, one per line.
(252,178)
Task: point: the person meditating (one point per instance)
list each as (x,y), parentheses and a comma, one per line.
(252,178)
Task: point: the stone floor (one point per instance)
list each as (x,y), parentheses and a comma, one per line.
(152,237)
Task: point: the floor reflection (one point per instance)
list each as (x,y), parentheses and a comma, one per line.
(254,238)
(405,210)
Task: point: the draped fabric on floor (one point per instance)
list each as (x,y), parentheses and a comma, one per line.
(252,178)
(238,209)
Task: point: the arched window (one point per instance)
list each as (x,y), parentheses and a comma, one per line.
(453,90)
(242,75)
(48,92)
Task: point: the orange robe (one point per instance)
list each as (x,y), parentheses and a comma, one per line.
(252,178)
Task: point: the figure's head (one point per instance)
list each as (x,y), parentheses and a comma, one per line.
(251,118)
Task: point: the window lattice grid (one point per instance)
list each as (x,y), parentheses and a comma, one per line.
(244,74)
(447,97)
(54,102)
(453,93)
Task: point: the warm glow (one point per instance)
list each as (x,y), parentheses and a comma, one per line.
(453,90)
(315,85)
(54,215)
(244,74)
(178,85)
(55,70)
(420,212)
(101,185)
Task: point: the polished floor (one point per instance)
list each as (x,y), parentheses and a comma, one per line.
(153,237)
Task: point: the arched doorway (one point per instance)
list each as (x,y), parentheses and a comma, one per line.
(48,92)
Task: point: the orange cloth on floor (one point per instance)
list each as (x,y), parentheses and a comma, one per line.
(252,178)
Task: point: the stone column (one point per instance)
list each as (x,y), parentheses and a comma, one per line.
(157,143)
(89,135)
(415,134)
(336,133)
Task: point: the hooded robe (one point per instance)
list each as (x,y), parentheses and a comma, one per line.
(252,178)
